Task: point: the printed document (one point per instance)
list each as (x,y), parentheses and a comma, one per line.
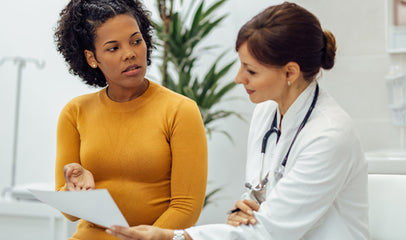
(96,206)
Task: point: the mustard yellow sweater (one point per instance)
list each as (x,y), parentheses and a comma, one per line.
(150,153)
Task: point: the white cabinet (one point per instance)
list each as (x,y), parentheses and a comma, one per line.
(29,220)
(396,26)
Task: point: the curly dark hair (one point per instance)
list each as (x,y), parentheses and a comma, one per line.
(76,31)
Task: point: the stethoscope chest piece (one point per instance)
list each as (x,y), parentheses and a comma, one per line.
(279,172)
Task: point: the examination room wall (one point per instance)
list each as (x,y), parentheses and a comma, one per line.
(357,82)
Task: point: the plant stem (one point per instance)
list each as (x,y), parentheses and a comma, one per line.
(166,19)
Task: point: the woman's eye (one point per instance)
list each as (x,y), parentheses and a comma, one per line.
(136,41)
(112,49)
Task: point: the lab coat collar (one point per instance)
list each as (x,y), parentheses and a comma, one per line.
(297,111)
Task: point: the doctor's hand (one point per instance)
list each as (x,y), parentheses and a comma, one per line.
(244,213)
(77,178)
(142,232)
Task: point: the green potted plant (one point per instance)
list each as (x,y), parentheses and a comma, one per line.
(179,40)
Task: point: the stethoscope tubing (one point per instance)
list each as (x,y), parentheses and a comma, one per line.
(274,128)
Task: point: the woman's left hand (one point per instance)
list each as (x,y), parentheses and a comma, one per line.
(142,232)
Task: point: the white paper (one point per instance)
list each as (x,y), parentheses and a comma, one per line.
(96,206)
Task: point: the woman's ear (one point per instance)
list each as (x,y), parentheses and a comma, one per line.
(91,60)
(292,70)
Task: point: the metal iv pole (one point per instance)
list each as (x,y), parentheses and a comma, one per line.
(21,63)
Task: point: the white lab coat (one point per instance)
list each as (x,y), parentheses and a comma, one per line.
(323,194)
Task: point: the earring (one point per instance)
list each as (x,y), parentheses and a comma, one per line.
(288,83)
(94,65)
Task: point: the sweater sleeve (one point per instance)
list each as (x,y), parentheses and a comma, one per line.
(67,147)
(189,168)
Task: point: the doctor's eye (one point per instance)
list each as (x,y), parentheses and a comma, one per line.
(251,72)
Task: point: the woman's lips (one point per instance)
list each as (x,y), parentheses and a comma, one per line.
(132,70)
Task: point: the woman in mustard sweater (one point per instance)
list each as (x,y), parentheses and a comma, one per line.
(141,141)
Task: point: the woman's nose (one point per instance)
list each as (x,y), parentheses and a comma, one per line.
(129,54)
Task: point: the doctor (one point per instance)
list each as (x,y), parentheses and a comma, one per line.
(306,176)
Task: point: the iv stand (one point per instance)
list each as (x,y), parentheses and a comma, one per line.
(21,63)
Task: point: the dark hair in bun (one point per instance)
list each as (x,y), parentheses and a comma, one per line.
(288,32)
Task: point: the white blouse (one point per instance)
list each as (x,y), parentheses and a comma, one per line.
(323,194)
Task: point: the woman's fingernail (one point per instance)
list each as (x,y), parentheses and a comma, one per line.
(253,221)
(108,231)
(249,212)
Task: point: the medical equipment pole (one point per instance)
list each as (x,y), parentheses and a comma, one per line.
(21,63)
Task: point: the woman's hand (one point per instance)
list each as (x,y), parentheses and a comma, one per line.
(245,214)
(77,178)
(142,232)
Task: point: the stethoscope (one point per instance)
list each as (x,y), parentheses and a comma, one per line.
(279,172)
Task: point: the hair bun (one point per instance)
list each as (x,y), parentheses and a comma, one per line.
(329,51)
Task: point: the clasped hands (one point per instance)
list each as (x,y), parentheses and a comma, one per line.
(244,214)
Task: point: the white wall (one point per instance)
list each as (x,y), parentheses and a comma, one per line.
(357,82)
(26,29)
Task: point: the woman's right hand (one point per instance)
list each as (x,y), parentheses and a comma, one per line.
(245,213)
(142,232)
(77,178)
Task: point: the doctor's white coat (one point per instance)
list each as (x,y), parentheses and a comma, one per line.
(323,194)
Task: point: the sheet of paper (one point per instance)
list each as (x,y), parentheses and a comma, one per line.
(96,206)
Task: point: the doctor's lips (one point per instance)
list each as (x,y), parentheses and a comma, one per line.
(249,91)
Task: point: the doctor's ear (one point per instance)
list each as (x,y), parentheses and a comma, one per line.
(292,71)
(90,58)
